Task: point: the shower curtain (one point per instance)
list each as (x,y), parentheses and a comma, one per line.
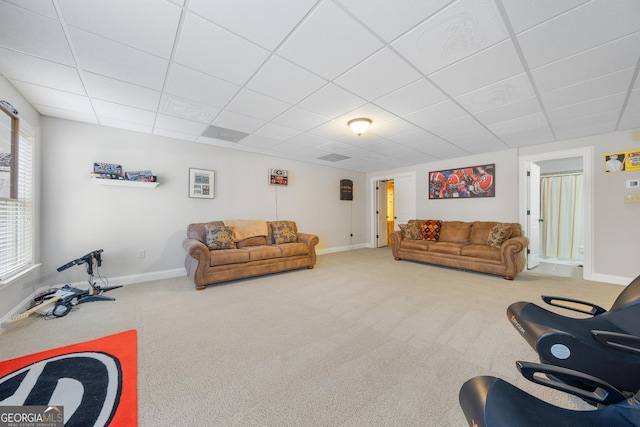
(561,211)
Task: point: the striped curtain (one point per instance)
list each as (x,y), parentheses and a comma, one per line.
(561,211)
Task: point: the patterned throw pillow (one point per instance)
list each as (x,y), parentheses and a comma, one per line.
(499,233)
(430,229)
(283,233)
(410,231)
(219,237)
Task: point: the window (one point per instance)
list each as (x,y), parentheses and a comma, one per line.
(16,213)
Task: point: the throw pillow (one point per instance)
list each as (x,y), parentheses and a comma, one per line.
(499,233)
(430,229)
(219,237)
(283,233)
(410,231)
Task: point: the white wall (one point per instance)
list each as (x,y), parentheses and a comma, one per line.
(80,216)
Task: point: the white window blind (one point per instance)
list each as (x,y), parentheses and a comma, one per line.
(16,217)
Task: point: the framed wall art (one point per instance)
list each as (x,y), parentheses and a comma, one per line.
(201,183)
(463,183)
(622,161)
(278,177)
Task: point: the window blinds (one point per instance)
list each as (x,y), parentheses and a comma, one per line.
(16,218)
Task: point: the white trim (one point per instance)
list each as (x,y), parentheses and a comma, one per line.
(607,278)
(587,168)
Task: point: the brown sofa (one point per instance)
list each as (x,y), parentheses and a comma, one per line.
(254,251)
(464,245)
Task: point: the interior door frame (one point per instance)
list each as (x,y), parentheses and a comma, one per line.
(587,203)
(373,180)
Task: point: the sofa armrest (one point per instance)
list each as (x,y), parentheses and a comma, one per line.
(396,240)
(197,261)
(513,255)
(312,240)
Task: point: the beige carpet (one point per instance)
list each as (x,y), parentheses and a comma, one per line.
(361,340)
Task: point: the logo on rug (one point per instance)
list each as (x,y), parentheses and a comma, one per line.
(86,384)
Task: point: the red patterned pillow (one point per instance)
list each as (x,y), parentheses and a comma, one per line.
(431,229)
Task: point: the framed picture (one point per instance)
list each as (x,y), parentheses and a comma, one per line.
(278,177)
(201,183)
(622,161)
(463,183)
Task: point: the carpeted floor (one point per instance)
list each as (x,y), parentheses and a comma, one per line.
(361,340)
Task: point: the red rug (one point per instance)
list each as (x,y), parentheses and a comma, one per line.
(94,381)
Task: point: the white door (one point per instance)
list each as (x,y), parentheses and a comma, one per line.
(381,214)
(403,200)
(533,215)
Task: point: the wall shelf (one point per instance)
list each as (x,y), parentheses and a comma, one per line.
(124,183)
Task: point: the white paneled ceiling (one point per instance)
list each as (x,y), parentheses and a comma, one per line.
(438,78)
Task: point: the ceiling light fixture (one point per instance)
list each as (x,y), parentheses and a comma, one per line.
(359,126)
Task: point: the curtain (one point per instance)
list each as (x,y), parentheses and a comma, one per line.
(561,211)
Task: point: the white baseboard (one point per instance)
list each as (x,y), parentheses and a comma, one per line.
(341,249)
(606,278)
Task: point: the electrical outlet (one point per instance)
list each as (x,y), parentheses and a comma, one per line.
(140,253)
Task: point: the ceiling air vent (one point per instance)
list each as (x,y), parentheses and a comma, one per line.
(224,134)
(333,157)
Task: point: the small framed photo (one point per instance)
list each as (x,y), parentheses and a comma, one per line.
(278,177)
(201,183)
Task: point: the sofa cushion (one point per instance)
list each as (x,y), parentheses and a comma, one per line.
(455,232)
(293,249)
(228,256)
(480,231)
(499,233)
(219,237)
(198,232)
(283,233)
(445,248)
(421,245)
(251,241)
(481,251)
(430,229)
(410,231)
(256,253)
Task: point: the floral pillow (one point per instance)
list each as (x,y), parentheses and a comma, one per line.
(499,233)
(219,237)
(283,233)
(430,229)
(410,231)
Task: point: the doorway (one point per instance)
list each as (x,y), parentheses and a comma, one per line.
(556,211)
(393,202)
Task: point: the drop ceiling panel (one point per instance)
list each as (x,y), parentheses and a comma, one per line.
(198,86)
(331,101)
(119,92)
(247,18)
(45,38)
(391,19)
(42,7)
(120,124)
(285,81)
(30,69)
(148,25)
(497,95)
(412,97)
(217,52)
(109,110)
(277,132)
(54,98)
(299,119)
(66,114)
(256,105)
(308,140)
(591,89)
(588,108)
(523,108)
(585,27)
(239,122)
(329,42)
(436,114)
(391,128)
(491,65)
(175,124)
(378,75)
(187,109)
(460,30)
(600,61)
(111,59)
(631,116)
(525,14)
